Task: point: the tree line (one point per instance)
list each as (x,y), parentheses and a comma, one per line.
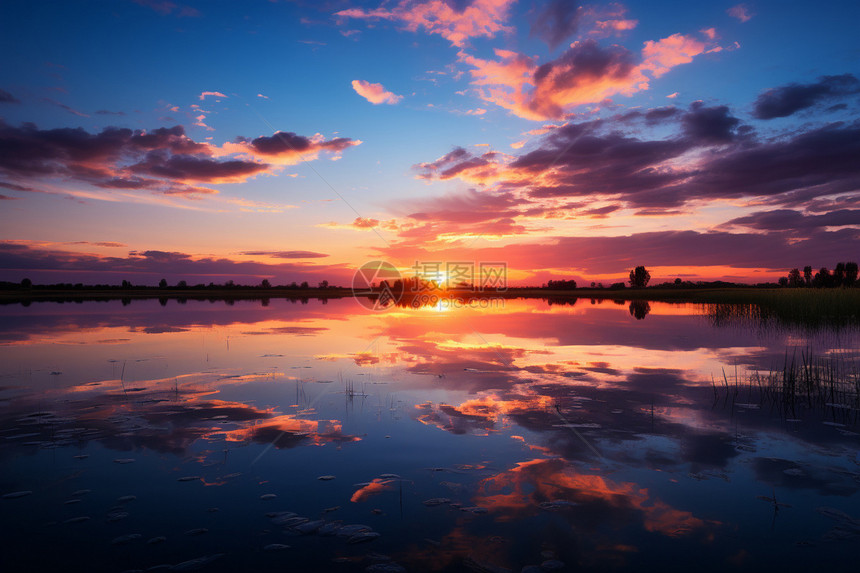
(27,284)
(843,275)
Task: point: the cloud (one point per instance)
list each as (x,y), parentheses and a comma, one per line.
(163,160)
(286,254)
(740,11)
(148,267)
(69,109)
(709,124)
(452,216)
(556,21)
(585,73)
(602,255)
(165,7)
(286,147)
(374,93)
(786,100)
(6,97)
(191,168)
(710,156)
(456,21)
(203,95)
(794,221)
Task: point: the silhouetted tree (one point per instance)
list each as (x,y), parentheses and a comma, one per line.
(839,274)
(182,284)
(807,275)
(266,284)
(561,284)
(304,284)
(639,277)
(162,283)
(678,281)
(822,278)
(323,284)
(639,309)
(126,284)
(783,281)
(26,283)
(794,279)
(850,273)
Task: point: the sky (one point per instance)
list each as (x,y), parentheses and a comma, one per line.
(293,141)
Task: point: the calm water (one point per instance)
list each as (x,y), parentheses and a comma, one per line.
(583,437)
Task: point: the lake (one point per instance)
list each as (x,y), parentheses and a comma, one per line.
(525,435)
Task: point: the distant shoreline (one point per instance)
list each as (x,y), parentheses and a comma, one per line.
(736,295)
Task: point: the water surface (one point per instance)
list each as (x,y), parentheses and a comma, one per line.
(586,436)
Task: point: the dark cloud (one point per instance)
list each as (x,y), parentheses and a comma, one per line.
(287,142)
(195,167)
(659,114)
(148,267)
(791,220)
(108,112)
(163,160)
(596,159)
(555,21)
(709,125)
(68,108)
(601,212)
(6,97)
(286,254)
(786,100)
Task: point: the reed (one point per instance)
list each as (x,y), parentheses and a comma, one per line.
(806,381)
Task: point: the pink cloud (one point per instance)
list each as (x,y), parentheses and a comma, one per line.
(663,55)
(481,18)
(586,73)
(616,25)
(375,93)
(203,95)
(740,11)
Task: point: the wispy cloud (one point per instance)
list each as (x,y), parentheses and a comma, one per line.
(375,93)
(454,21)
(740,11)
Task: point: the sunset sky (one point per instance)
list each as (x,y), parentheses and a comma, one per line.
(296,140)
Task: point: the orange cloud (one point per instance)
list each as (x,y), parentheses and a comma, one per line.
(586,73)
(482,18)
(663,55)
(530,483)
(375,93)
